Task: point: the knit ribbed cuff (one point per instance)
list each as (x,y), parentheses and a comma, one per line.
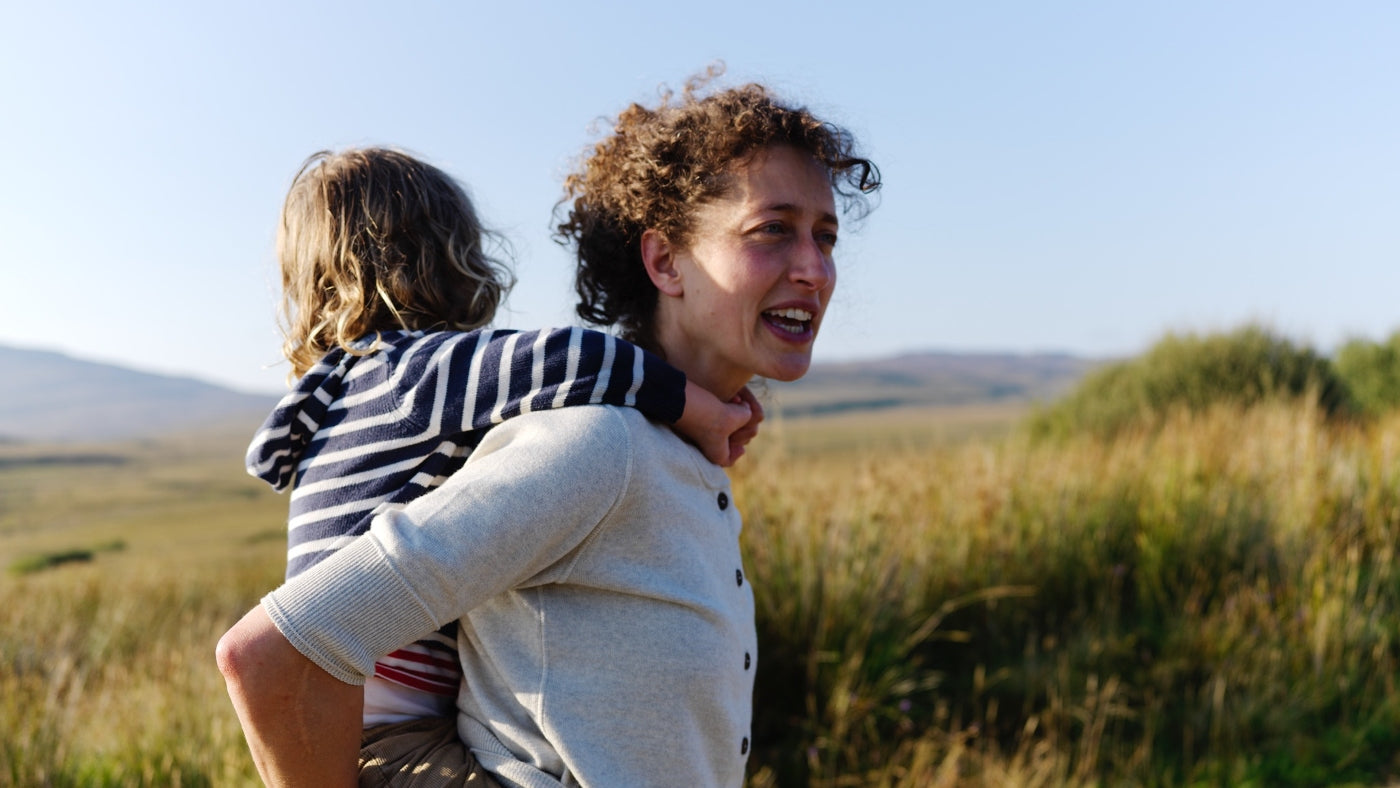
(348,611)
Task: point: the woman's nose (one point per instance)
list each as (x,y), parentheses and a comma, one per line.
(813,266)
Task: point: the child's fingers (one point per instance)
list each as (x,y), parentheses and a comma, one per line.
(736,415)
(746,396)
(715,447)
(741,438)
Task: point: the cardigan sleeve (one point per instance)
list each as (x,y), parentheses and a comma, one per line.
(534,493)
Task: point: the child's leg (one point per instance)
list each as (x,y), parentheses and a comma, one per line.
(422,753)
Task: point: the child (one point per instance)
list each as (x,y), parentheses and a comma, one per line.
(385,287)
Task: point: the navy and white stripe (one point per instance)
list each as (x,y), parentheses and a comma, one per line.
(362,434)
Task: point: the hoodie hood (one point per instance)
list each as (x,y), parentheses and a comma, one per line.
(282,441)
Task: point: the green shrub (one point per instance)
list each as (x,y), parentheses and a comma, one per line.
(1192,373)
(42,561)
(1371,371)
(38,563)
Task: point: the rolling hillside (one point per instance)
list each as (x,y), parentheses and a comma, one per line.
(929,379)
(46,396)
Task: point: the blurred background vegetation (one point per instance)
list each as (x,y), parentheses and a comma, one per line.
(1182,572)
(1192,373)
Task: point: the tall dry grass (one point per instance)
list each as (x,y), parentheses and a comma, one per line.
(109,678)
(1214,602)
(106,662)
(1211,603)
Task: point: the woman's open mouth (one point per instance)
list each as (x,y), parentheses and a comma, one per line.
(795,322)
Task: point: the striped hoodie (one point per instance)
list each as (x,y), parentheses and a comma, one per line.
(364,433)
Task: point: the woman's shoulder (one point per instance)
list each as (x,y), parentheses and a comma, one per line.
(656,451)
(600,442)
(606,433)
(580,433)
(614,423)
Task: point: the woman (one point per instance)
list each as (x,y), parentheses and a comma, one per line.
(591,556)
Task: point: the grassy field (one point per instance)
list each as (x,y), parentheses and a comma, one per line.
(942,601)
(106,656)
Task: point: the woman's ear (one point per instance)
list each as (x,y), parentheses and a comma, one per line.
(659,258)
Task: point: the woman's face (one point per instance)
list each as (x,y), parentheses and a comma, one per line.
(747,295)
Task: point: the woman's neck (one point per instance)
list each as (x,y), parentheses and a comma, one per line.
(700,365)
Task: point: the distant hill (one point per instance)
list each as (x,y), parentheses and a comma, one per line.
(46,396)
(930,378)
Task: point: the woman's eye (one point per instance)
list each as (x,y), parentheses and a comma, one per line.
(773,228)
(828,239)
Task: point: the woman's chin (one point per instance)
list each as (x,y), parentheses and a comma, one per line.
(787,369)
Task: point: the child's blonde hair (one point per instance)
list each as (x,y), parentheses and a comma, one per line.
(371,240)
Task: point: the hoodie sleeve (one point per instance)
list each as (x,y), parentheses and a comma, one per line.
(483,378)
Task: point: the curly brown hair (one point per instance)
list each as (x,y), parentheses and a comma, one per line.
(373,239)
(659,164)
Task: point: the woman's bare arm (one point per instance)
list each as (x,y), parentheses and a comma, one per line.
(302,724)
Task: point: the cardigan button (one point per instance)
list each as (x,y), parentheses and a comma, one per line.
(744,746)
(723,502)
(738,577)
(747,660)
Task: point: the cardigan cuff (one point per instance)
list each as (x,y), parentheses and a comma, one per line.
(348,611)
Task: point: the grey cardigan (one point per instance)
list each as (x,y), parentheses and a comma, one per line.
(607,633)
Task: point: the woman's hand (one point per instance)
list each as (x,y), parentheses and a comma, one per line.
(720,429)
(303,725)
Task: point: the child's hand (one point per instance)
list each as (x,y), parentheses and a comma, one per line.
(739,439)
(719,429)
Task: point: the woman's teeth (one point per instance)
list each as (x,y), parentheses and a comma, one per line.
(791,314)
(793,321)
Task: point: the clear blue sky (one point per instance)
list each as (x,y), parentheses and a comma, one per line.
(1059,176)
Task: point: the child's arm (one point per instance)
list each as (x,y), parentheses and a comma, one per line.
(506,373)
(720,429)
(517,372)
